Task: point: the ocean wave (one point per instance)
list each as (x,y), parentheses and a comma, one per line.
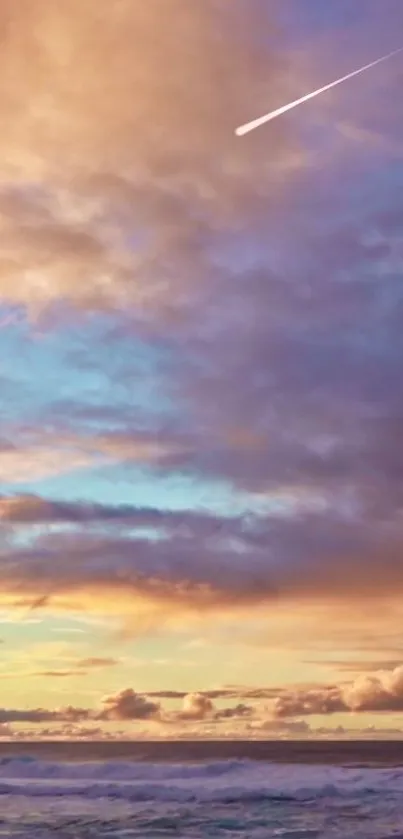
(221,781)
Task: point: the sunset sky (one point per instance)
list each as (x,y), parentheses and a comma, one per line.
(201,349)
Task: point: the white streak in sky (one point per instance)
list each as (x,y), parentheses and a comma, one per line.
(256,123)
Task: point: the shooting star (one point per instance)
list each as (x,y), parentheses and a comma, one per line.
(256,123)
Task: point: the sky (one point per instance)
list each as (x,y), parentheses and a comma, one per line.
(201,419)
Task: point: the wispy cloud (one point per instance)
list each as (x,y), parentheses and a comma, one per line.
(94,662)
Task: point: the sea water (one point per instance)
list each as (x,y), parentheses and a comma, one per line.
(255,799)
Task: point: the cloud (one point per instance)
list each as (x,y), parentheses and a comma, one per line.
(167,694)
(197,706)
(279,322)
(383,692)
(200,707)
(128,705)
(326,700)
(82,668)
(33,463)
(41,715)
(62,731)
(272,711)
(358,665)
(283,727)
(58,674)
(197,562)
(97,661)
(32,457)
(106,221)
(225,692)
(35,509)
(240,710)
(292,571)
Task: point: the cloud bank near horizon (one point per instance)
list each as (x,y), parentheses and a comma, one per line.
(253,711)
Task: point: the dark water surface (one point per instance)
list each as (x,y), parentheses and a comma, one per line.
(339,753)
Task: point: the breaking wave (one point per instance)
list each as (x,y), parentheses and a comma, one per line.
(218,781)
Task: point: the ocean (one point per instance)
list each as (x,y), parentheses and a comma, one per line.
(252,790)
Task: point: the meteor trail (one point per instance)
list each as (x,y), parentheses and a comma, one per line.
(256,123)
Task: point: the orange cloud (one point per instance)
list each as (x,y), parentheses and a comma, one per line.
(380,692)
(97,661)
(197,706)
(128,705)
(46,455)
(125,111)
(32,463)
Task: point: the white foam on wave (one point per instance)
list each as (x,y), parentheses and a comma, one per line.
(209,782)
